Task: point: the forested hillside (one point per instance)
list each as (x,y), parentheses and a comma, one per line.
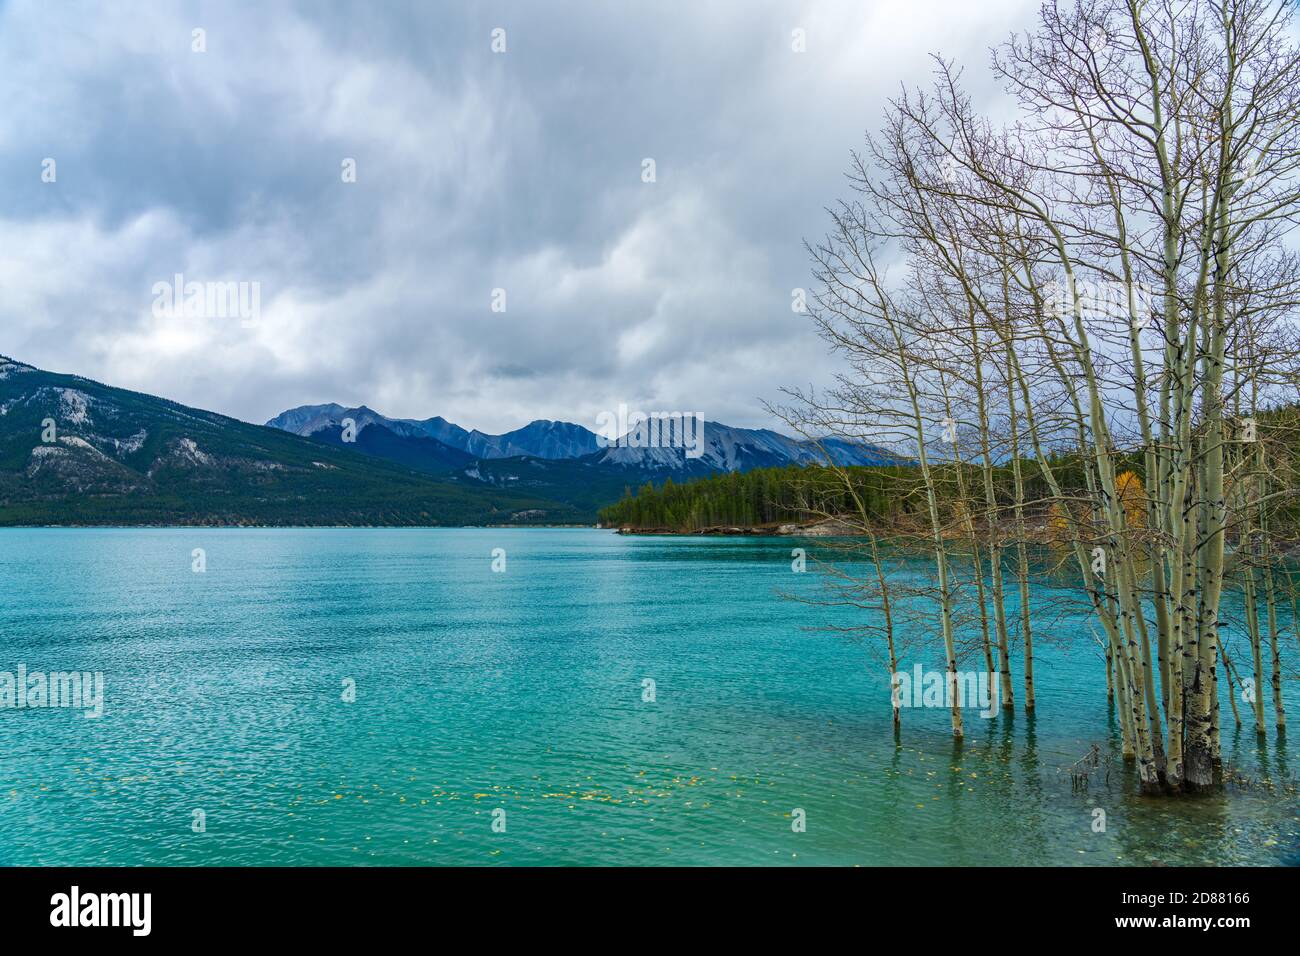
(76,452)
(765,496)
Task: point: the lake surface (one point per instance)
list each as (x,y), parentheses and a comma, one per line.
(523,691)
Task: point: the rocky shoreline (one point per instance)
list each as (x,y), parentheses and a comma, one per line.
(825,528)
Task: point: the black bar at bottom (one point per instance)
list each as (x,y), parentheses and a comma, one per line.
(333,906)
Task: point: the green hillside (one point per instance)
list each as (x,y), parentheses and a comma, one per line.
(114,457)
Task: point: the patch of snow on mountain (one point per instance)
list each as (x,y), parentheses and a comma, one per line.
(74,406)
(129,446)
(187,450)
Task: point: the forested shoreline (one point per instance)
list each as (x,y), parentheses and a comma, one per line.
(888,496)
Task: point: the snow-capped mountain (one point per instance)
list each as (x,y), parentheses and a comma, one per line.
(77,452)
(726,448)
(74,451)
(307,420)
(720,447)
(541,438)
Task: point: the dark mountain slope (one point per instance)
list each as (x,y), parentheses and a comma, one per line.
(417,452)
(74,451)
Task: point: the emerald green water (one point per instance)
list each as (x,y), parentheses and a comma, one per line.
(523,691)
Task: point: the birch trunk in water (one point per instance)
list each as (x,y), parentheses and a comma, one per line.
(992,520)
(1022,550)
(966,522)
(940,548)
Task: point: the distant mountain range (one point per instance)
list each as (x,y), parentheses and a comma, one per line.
(542,439)
(77,452)
(723,448)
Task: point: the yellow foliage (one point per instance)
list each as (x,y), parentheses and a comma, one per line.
(1057,519)
(1133,499)
(1058,524)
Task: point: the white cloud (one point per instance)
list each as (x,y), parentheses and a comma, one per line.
(475,171)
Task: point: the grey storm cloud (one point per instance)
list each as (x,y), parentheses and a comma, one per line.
(475,171)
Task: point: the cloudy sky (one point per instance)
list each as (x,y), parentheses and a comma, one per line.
(475,170)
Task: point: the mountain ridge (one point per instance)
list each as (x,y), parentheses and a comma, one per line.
(74,451)
(725,447)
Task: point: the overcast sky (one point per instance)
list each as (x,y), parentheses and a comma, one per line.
(475,171)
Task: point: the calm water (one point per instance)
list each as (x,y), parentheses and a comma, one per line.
(523,691)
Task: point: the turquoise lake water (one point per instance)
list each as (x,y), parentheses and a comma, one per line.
(523,691)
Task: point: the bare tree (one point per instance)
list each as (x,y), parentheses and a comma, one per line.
(1114,259)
